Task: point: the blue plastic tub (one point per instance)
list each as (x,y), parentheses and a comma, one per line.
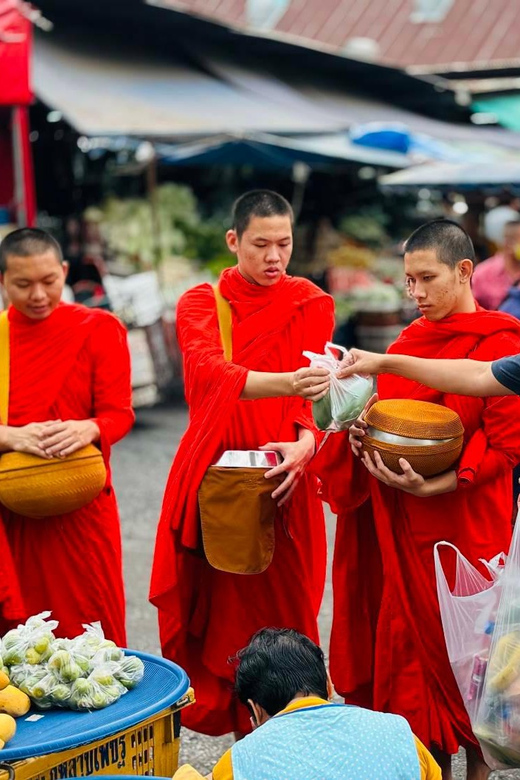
(163,685)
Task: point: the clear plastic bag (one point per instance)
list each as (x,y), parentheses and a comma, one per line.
(497,725)
(468,614)
(30,643)
(346,398)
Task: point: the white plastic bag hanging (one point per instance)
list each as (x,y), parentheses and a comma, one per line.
(346,398)
(497,725)
(468,614)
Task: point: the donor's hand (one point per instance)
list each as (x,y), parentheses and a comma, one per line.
(296,455)
(361,362)
(64,437)
(311,383)
(357,430)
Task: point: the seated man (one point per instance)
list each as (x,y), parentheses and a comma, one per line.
(282,679)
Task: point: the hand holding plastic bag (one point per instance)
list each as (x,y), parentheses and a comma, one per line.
(346,398)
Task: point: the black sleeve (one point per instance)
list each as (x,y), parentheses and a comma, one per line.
(507,372)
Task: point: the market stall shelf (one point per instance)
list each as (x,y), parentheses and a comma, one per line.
(138,735)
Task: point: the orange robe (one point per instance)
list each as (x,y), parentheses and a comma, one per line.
(387,645)
(73,365)
(206,616)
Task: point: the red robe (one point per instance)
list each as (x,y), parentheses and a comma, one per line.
(206,616)
(73,365)
(387,645)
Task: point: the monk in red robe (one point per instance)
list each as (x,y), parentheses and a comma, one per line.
(69,387)
(206,615)
(387,646)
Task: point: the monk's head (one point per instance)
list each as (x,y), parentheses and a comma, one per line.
(438,264)
(32,271)
(261,236)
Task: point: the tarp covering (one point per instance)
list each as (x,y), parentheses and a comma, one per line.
(104,89)
(270,151)
(506,109)
(446,175)
(15,48)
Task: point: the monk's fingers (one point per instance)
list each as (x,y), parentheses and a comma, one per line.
(54,429)
(288,493)
(371,401)
(74,447)
(385,472)
(59,448)
(318,393)
(284,486)
(48,442)
(412,478)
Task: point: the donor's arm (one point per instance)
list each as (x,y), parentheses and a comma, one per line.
(463,377)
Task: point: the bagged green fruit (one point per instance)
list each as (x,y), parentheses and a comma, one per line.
(346,398)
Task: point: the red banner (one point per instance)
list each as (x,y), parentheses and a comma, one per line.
(15,51)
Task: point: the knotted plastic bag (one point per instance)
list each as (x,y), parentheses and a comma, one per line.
(346,398)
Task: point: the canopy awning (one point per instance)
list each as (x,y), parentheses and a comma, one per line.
(495,175)
(505,109)
(268,151)
(105,88)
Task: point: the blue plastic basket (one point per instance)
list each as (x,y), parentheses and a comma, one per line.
(164,683)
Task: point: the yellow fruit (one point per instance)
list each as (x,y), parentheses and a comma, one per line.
(2,743)
(7,728)
(4,680)
(14,702)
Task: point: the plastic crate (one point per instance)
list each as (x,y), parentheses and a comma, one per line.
(139,735)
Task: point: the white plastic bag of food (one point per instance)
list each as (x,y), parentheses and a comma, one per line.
(468,614)
(497,725)
(346,398)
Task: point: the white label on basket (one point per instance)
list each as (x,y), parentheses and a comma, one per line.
(34,718)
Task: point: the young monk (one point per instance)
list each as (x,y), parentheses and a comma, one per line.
(69,387)
(388,524)
(205,615)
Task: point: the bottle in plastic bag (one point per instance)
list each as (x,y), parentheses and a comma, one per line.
(346,398)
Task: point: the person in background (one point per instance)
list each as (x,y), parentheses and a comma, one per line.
(248,402)
(69,387)
(388,524)
(298,733)
(493,277)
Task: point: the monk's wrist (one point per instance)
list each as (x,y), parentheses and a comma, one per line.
(6,444)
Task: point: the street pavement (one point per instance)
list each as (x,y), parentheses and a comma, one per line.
(141,463)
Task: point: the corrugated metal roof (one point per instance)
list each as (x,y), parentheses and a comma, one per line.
(472,31)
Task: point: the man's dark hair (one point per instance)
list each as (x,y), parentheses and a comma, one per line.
(259,203)
(448,239)
(278,664)
(26,242)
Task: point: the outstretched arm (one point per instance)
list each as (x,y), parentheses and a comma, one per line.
(463,377)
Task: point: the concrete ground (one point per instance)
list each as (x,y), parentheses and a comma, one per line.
(141,464)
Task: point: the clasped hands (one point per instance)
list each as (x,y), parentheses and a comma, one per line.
(52,439)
